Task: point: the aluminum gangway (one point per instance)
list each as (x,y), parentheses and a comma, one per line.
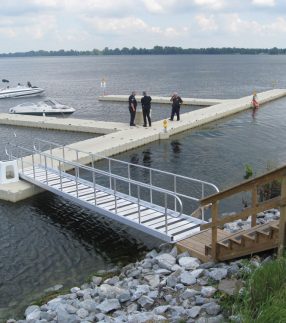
(144,205)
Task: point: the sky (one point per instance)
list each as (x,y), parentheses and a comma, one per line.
(87,24)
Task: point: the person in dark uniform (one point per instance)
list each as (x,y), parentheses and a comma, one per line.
(132,108)
(176,104)
(146,106)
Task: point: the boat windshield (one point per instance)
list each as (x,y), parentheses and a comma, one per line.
(50,103)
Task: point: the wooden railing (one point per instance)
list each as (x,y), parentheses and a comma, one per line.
(251,186)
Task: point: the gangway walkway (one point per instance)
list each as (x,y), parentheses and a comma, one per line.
(145,206)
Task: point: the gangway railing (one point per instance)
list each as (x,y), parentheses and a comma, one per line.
(42,160)
(205,188)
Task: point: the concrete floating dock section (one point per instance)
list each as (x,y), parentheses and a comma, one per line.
(132,137)
(64,124)
(162,100)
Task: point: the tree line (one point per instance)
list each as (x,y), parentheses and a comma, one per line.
(156,50)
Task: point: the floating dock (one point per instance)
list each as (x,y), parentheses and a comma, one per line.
(127,138)
(162,100)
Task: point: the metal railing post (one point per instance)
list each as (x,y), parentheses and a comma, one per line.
(51,152)
(129,184)
(115,196)
(46,171)
(22,164)
(166,213)
(61,180)
(76,179)
(77,155)
(94,186)
(151,191)
(33,162)
(63,155)
(110,178)
(175,191)
(138,201)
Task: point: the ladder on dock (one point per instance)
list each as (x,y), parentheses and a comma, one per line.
(142,205)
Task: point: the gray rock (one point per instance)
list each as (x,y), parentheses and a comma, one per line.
(179,287)
(109,305)
(75,289)
(211,308)
(177,311)
(70,309)
(31,309)
(208,291)
(187,278)
(140,290)
(168,298)
(207,265)
(54,288)
(193,312)
(229,286)
(154,294)
(146,317)
(108,291)
(214,319)
(112,281)
(135,273)
(146,302)
(183,254)
(202,281)
(197,273)
(200,300)
(217,273)
(133,307)
(63,316)
(153,280)
(189,293)
(166,261)
(189,263)
(147,264)
(165,247)
(82,313)
(152,254)
(49,316)
(172,280)
(174,252)
(176,267)
(161,309)
(96,280)
(124,297)
(35,315)
(89,305)
(162,272)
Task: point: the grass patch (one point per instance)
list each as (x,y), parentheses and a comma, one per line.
(46,298)
(263,299)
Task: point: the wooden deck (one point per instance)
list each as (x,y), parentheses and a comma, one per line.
(196,244)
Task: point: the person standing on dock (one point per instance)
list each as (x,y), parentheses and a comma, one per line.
(146,107)
(176,105)
(255,104)
(132,108)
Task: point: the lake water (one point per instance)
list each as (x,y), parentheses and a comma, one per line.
(46,240)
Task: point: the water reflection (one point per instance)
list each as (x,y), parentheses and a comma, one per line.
(176,147)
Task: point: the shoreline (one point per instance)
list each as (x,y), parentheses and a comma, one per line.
(164,287)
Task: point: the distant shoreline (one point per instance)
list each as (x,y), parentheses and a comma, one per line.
(157,50)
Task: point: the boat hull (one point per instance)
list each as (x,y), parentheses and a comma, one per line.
(21,93)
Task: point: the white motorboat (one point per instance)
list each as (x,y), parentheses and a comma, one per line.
(20,91)
(46,107)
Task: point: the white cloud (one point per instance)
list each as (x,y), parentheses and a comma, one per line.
(213,4)
(267,3)
(206,23)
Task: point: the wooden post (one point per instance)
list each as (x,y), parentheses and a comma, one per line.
(254,203)
(214,210)
(282,222)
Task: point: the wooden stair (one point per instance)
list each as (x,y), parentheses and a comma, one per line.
(259,238)
(232,245)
